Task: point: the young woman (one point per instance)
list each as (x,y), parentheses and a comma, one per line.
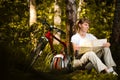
(79,38)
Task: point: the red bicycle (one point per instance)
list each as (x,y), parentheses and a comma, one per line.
(61,60)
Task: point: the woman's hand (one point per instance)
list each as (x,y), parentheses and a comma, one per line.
(106,44)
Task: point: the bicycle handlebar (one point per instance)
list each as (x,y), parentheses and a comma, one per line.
(44,22)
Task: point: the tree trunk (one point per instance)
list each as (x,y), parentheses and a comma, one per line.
(32,20)
(33,15)
(79,9)
(71,19)
(57,19)
(115,37)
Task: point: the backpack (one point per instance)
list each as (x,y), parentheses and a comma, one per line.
(61,62)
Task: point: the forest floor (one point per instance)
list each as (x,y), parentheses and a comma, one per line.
(75,75)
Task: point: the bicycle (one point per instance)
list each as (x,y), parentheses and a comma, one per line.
(59,61)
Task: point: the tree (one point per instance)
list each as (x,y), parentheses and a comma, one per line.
(115,36)
(71,15)
(57,18)
(32,20)
(33,15)
(79,8)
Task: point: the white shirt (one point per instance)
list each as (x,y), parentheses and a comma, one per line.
(78,40)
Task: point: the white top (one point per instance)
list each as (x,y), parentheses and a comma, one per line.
(78,40)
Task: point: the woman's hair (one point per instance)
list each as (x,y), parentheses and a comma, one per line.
(81,21)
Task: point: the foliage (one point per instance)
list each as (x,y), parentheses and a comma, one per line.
(101,14)
(43,62)
(45,9)
(14,31)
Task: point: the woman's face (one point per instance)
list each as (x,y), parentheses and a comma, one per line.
(84,27)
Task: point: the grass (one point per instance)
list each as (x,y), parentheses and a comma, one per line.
(75,75)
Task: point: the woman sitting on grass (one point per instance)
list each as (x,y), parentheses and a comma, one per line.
(79,38)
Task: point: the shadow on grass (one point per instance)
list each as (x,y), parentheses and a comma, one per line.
(75,75)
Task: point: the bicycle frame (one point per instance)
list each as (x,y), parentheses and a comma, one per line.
(48,38)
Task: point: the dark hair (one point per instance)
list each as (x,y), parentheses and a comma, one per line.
(83,20)
(80,21)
